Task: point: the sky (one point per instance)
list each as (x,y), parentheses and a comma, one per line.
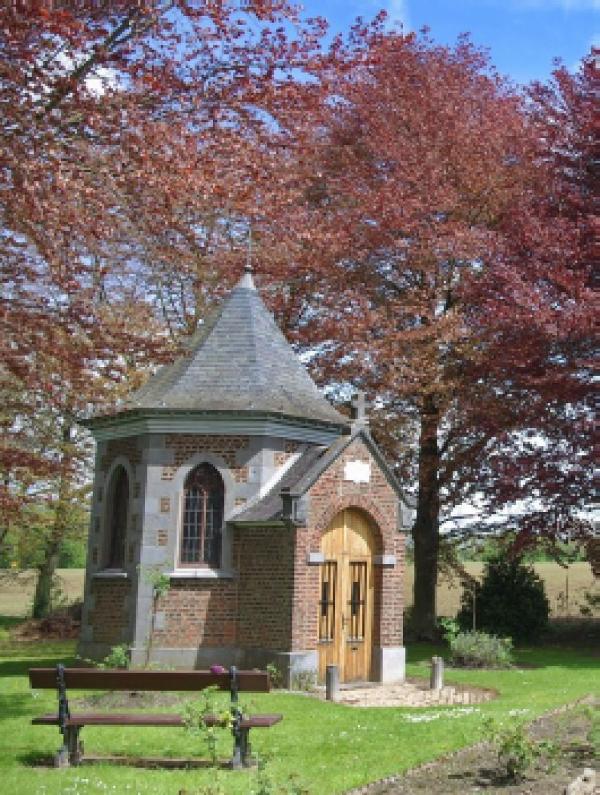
(523,36)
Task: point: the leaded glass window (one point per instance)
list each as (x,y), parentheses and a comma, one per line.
(203,504)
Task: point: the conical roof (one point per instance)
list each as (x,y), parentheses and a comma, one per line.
(238,361)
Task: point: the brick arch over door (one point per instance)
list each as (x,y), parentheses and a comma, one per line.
(383,526)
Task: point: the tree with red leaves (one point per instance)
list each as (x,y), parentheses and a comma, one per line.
(133,136)
(424,174)
(535,311)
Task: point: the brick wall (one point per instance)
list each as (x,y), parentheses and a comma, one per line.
(128,448)
(198,613)
(109,617)
(184,446)
(265,559)
(328,496)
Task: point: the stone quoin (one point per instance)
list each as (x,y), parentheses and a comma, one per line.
(275,518)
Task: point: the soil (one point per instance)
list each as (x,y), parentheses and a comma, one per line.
(56,627)
(477,769)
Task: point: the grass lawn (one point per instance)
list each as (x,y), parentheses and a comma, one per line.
(326,748)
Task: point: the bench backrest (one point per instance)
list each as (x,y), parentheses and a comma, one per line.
(111,679)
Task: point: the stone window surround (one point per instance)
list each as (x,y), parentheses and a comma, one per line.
(106,520)
(178,484)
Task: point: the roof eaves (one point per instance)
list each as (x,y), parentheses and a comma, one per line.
(125,414)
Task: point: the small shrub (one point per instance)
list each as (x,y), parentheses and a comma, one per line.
(195,713)
(275,675)
(118,657)
(593,735)
(449,628)
(480,650)
(591,607)
(510,602)
(305,681)
(516,750)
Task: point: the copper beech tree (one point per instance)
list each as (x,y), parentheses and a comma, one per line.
(422,175)
(535,311)
(133,136)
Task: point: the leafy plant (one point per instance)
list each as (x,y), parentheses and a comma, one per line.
(510,601)
(161,583)
(265,785)
(118,657)
(449,627)
(305,681)
(275,675)
(204,719)
(593,715)
(516,750)
(480,650)
(592,606)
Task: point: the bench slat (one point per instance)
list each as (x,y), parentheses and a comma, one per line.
(105,679)
(113,719)
(259,721)
(147,719)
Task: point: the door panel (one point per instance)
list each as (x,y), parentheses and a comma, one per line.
(328,617)
(346,597)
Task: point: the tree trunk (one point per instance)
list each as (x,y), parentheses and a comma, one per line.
(426,527)
(42,600)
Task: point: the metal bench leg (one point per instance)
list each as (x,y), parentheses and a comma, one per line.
(72,748)
(62,757)
(74,744)
(241,749)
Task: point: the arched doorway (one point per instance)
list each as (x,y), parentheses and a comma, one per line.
(346,597)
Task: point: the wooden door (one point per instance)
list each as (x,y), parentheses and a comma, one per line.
(346,597)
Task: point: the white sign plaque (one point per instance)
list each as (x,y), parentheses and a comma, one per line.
(357,471)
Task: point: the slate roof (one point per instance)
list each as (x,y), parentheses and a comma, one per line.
(238,361)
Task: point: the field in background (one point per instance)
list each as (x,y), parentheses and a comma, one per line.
(16,589)
(565,588)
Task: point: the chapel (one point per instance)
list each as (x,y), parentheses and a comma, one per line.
(273,519)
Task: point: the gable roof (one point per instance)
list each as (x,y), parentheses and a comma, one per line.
(238,361)
(306,471)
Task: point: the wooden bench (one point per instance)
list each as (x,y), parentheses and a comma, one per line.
(70,724)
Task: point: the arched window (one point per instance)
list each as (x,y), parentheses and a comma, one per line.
(118,513)
(203,502)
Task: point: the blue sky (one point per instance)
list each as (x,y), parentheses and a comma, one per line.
(523,36)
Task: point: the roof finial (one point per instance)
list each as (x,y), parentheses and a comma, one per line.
(248,268)
(359,408)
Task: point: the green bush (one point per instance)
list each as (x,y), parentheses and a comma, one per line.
(510,602)
(516,750)
(480,650)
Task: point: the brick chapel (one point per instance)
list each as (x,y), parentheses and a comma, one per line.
(275,518)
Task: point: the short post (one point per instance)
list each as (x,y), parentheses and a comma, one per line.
(332,683)
(437,673)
